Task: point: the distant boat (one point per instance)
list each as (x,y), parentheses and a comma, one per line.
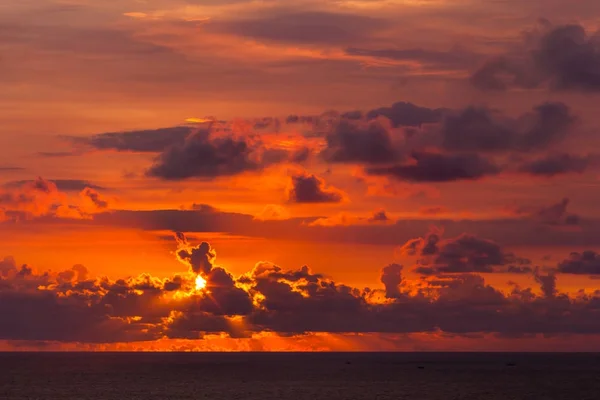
(511,364)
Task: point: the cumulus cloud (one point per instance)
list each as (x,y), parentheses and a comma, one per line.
(463,254)
(561,57)
(199,258)
(72,306)
(361,141)
(407,114)
(391,277)
(308,188)
(210,154)
(30,199)
(585,263)
(436,167)
(485,130)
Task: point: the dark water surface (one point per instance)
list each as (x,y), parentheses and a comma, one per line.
(419,376)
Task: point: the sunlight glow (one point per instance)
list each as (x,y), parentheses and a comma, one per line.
(200,283)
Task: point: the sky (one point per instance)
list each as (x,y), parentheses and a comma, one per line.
(269,175)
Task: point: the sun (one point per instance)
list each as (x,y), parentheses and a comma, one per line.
(200,283)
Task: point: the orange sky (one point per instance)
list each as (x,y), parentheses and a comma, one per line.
(454,138)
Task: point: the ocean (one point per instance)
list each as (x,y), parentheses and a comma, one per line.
(263,376)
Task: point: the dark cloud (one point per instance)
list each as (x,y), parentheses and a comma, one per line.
(379,216)
(547,283)
(208,156)
(65,185)
(408,114)
(95,198)
(425,246)
(481,129)
(464,254)
(145,141)
(562,57)
(69,306)
(585,263)
(434,167)
(556,164)
(391,277)
(554,214)
(313,27)
(308,188)
(199,258)
(369,142)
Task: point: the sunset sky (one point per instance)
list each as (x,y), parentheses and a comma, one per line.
(344,174)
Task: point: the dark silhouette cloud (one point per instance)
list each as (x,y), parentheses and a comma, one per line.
(307,188)
(547,283)
(369,142)
(585,263)
(408,114)
(463,254)
(481,129)
(145,141)
(70,306)
(391,277)
(554,214)
(435,167)
(199,258)
(562,57)
(207,155)
(64,185)
(95,198)
(556,164)
(379,216)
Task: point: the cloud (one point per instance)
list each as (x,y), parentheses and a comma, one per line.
(64,185)
(561,57)
(585,263)
(434,167)
(408,114)
(70,306)
(379,216)
(143,141)
(554,214)
(547,283)
(209,155)
(391,277)
(40,198)
(308,188)
(94,197)
(556,164)
(463,254)
(481,129)
(311,27)
(360,141)
(199,258)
